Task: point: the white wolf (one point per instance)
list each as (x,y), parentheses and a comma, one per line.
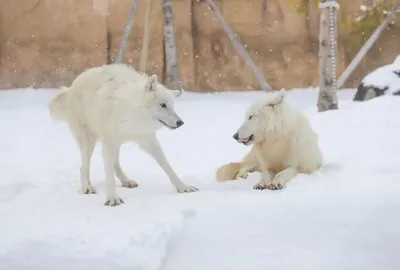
(284,144)
(113,104)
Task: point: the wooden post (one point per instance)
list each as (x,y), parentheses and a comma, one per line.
(366,47)
(171,61)
(327,99)
(146,39)
(126,33)
(238,46)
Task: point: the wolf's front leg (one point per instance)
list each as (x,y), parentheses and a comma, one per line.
(125,181)
(282,178)
(110,154)
(265,179)
(266,173)
(153,148)
(249,164)
(246,169)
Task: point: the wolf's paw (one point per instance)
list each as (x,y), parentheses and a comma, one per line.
(129,184)
(114,201)
(274,185)
(242,174)
(260,186)
(186,189)
(88,189)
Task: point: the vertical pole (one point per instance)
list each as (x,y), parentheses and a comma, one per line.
(327,99)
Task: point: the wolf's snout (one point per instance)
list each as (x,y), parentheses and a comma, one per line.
(236,136)
(179,123)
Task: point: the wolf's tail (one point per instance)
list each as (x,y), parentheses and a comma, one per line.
(58,105)
(228,171)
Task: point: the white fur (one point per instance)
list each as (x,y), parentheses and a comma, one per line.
(114,104)
(284,144)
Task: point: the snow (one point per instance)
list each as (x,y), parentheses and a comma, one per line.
(344,216)
(384,76)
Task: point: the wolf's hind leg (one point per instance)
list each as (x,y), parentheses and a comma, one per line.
(110,152)
(86,143)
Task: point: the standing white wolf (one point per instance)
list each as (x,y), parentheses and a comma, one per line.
(284,144)
(113,104)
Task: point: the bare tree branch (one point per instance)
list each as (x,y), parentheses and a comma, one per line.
(238,46)
(127,31)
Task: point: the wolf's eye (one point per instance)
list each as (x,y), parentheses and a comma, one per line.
(250,117)
(163,105)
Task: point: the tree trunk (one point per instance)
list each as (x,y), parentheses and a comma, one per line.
(366,47)
(146,39)
(170,59)
(327,99)
(127,31)
(239,47)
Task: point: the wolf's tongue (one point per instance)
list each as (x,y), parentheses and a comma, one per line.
(243,140)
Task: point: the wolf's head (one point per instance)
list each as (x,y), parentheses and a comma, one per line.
(161,103)
(261,117)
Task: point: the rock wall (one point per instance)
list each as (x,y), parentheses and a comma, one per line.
(46,43)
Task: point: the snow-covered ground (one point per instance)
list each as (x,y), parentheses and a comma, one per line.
(385,76)
(345,216)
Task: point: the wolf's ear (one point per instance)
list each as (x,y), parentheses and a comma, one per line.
(151,83)
(176,93)
(278,97)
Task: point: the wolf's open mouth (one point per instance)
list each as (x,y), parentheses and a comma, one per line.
(245,140)
(165,124)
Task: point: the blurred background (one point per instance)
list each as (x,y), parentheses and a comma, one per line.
(46,43)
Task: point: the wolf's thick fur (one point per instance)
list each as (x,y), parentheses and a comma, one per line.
(284,144)
(114,104)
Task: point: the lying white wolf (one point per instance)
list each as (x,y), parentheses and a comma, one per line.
(113,104)
(284,144)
